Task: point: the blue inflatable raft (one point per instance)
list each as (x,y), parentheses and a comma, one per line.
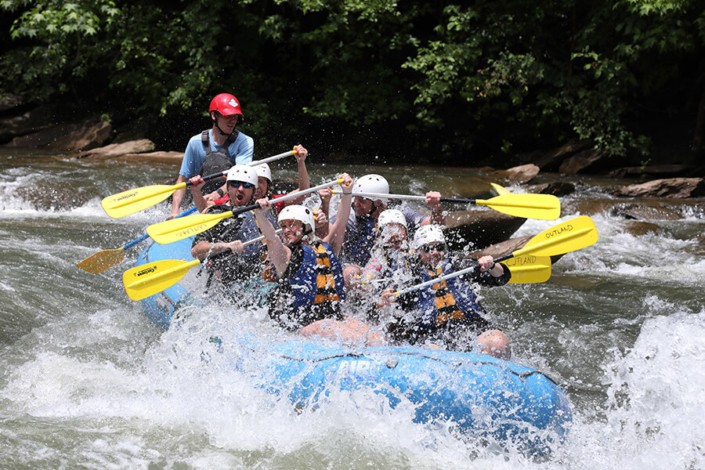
(477,395)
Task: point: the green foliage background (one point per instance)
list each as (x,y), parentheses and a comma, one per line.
(448,81)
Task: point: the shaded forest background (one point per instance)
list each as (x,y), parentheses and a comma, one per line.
(472,82)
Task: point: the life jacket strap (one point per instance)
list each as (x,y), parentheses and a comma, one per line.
(444,301)
(325,281)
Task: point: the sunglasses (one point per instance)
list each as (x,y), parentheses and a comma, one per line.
(237,184)
(440,248)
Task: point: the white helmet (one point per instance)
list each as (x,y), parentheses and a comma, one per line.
(263,170)
(372,184)
(391,216)
(300,213)
(428,234)
(243,173)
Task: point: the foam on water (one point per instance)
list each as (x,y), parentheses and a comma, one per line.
(655,402)
(91,383)
(182,401)
(650,257)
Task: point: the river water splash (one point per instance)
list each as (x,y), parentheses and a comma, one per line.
(88,382)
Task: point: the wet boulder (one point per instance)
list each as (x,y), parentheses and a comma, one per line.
(67,137)
(587,161)
(54,198)
(641,228)
(676,188)
(552,160)
(118,150)
(591,206)
(523,173)
(500,249)
(87,135)
(557,188)
(659,171)
(478,228)
(517,174)
(644,212)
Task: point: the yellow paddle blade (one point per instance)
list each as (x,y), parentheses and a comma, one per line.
(174,230)
(529,269)
(571,235)
(99,262)
(527,206)
(500,190)
(138,199)
(144,281)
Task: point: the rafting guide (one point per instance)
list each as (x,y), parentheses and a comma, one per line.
(225,112)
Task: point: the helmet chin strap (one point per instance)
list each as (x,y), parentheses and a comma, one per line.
(215,122)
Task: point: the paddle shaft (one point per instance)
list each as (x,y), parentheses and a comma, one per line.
(529,206)
(458,200)
(272,158)
(527,273)
(251,241)
(253,163)
(286,197)
(435,280)
(175,230)
(138,199)
(134,242)
(562,238)
(450,275)
(247,243)
(410,197)
(220,174)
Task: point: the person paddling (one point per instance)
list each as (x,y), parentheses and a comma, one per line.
(309,275)
(360,231)
(389,261)
(390,252)
(448,312)
(229,260)
(221,142)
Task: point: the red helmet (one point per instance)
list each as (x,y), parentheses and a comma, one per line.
(226,104)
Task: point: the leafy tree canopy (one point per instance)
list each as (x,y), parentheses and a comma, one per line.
(456,80)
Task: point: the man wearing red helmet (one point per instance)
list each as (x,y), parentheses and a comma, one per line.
(222,141)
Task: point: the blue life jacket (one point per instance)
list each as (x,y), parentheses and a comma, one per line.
(311,288)
(447,300)
(358,243)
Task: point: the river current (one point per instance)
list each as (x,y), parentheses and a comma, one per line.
(86,381)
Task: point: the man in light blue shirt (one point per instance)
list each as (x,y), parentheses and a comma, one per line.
(222,139)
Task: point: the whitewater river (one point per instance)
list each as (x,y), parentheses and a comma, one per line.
(86,381)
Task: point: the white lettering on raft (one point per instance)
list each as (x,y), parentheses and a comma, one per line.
(358,369)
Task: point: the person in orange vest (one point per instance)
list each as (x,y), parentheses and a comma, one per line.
(447,313)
